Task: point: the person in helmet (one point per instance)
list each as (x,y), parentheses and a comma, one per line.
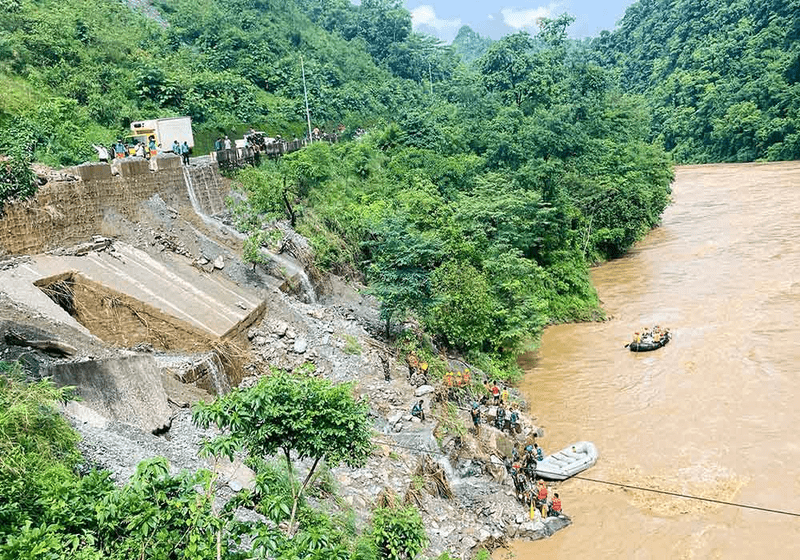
(476,418)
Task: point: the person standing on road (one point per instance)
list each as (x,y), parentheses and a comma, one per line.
(119,150)
(102,153)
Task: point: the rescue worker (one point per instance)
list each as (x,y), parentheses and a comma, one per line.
(516,479)
(176,148)
(514,421)
(495,393)
(500,419)
(555,506)
(476,418)
(530,462)
(152,148)
(515,451)
(538,453)
(417,411)
(541,497)
(504,395)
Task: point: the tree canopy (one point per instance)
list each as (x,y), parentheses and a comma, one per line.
(305,416)
(722,76)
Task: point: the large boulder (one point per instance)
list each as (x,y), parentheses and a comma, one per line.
(127,390)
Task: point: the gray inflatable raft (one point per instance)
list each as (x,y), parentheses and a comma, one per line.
(568,462)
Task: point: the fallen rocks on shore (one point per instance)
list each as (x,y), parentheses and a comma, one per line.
(335,336)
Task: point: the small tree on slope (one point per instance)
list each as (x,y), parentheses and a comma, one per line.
(307,416)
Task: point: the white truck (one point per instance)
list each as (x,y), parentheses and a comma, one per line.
(165,131)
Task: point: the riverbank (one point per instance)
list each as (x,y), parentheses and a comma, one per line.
(324,327)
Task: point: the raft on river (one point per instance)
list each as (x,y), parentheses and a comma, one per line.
(648,343)
(568,462)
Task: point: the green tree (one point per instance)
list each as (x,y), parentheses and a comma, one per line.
(398,532)
(305,416)
(507,65)
(463,306)
(402,258)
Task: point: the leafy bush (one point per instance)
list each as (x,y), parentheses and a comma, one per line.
(398,533)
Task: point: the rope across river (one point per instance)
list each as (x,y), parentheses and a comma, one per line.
(634,487)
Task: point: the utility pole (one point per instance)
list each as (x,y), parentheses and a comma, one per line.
(305,94)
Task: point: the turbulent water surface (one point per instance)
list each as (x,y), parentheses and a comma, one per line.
(715,413)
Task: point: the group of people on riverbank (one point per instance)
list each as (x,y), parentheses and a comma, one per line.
(505,419)
(531,490)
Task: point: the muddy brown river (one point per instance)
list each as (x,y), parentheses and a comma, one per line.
(715,413)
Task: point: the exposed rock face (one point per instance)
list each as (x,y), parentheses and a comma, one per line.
(334,333)
(127,390)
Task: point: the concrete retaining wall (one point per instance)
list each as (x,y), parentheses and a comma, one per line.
(127,390)
(65,213)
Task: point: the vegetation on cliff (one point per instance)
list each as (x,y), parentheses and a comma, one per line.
(479,209)
(53,506)
(722,77)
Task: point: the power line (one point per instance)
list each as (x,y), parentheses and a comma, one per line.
(633,487)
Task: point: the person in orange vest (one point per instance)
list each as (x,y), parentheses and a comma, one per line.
(555,507)
(541,494)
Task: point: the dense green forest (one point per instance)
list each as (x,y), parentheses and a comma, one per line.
(476,201)
(722,77)
(479,209)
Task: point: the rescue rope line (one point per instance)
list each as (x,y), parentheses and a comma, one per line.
(633,487)
(689,497)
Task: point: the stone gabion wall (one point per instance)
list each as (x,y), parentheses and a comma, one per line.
(65,213)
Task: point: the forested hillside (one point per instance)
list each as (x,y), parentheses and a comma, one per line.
(79,72)
(478,209)
(721,76)
(475,202)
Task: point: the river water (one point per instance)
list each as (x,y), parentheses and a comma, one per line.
(716,412)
